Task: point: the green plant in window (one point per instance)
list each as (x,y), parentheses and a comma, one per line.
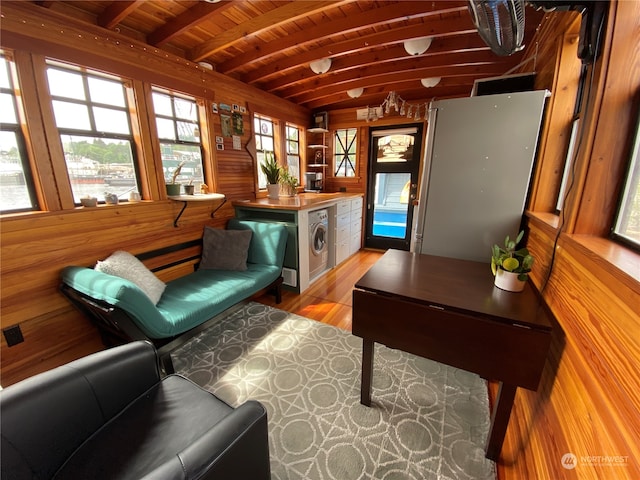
(289,182)
(271,169)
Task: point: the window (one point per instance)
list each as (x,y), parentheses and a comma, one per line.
(91,112)
(627,225)
(16,185)
(265,143)
(345,152)
(293,151)
(179,133)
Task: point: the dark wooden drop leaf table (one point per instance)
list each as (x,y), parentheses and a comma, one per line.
(448,310)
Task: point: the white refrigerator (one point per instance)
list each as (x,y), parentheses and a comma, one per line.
(476,173)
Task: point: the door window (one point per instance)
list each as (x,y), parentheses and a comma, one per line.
(393,177)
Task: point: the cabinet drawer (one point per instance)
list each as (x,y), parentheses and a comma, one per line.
(355,244)
(343,207)
(343,219)
(356,204)
(342,252)
(342,233)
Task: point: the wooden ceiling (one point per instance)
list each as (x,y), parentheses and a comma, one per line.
(269,44)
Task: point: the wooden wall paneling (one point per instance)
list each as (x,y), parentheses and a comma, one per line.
(620,96)
(53,241)
(556,130)
(592,99)
(586,401)
(50,340)
(45,242)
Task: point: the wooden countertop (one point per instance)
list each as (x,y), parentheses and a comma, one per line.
(302,201)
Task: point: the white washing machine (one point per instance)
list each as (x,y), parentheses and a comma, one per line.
(318,242)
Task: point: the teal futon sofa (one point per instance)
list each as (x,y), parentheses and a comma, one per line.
(124,311)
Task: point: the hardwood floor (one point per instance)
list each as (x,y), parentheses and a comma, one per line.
(328,300)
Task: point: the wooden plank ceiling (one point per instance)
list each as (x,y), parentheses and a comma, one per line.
(270,44)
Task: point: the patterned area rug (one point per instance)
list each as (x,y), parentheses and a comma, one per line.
(427,420)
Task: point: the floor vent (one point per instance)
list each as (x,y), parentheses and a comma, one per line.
(290,277)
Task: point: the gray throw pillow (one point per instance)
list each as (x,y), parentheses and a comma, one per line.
(124,265)
(225,249)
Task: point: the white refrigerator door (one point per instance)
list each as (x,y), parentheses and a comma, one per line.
(480,154)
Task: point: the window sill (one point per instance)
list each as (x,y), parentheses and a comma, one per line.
(620,261)
(623,259)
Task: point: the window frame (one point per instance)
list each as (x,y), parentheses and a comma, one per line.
(631,180)
(16,129)
(173,95)
(298,155)
(337,142)
(260,152)
(85,73)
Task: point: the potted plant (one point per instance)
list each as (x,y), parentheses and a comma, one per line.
(173,188)
(272,171)
(289,183)
(511,266)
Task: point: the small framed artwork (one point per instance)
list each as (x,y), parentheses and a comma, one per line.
(238,124)
(236,107)
(237,142)
(243,110)
(219,139)
(219,146)
(225,125)
(214,107)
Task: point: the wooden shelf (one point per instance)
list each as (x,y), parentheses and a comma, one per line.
(203,197)
(200,197)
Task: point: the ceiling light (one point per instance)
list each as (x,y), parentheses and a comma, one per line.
(417,46)
(355,92)
(430,82)
(320,66)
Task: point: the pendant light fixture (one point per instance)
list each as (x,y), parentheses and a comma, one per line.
(430,82)
(320,66)
(417,46)
(355,92)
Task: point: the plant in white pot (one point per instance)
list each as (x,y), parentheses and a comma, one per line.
(272,171)
(289,183)
(511,266)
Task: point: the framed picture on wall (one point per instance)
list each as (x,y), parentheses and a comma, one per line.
(238,124)
(225,125)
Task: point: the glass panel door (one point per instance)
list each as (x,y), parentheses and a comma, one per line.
(393,176)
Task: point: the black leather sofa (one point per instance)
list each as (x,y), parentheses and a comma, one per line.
(111,416)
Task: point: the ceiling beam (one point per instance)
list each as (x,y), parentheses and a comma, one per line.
(199,13)
(287,13)
(116,12)
(367,19)
(391,78)
(430,28)
(453,45)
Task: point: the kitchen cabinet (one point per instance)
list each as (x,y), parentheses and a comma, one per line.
(345,227)
(348,230)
